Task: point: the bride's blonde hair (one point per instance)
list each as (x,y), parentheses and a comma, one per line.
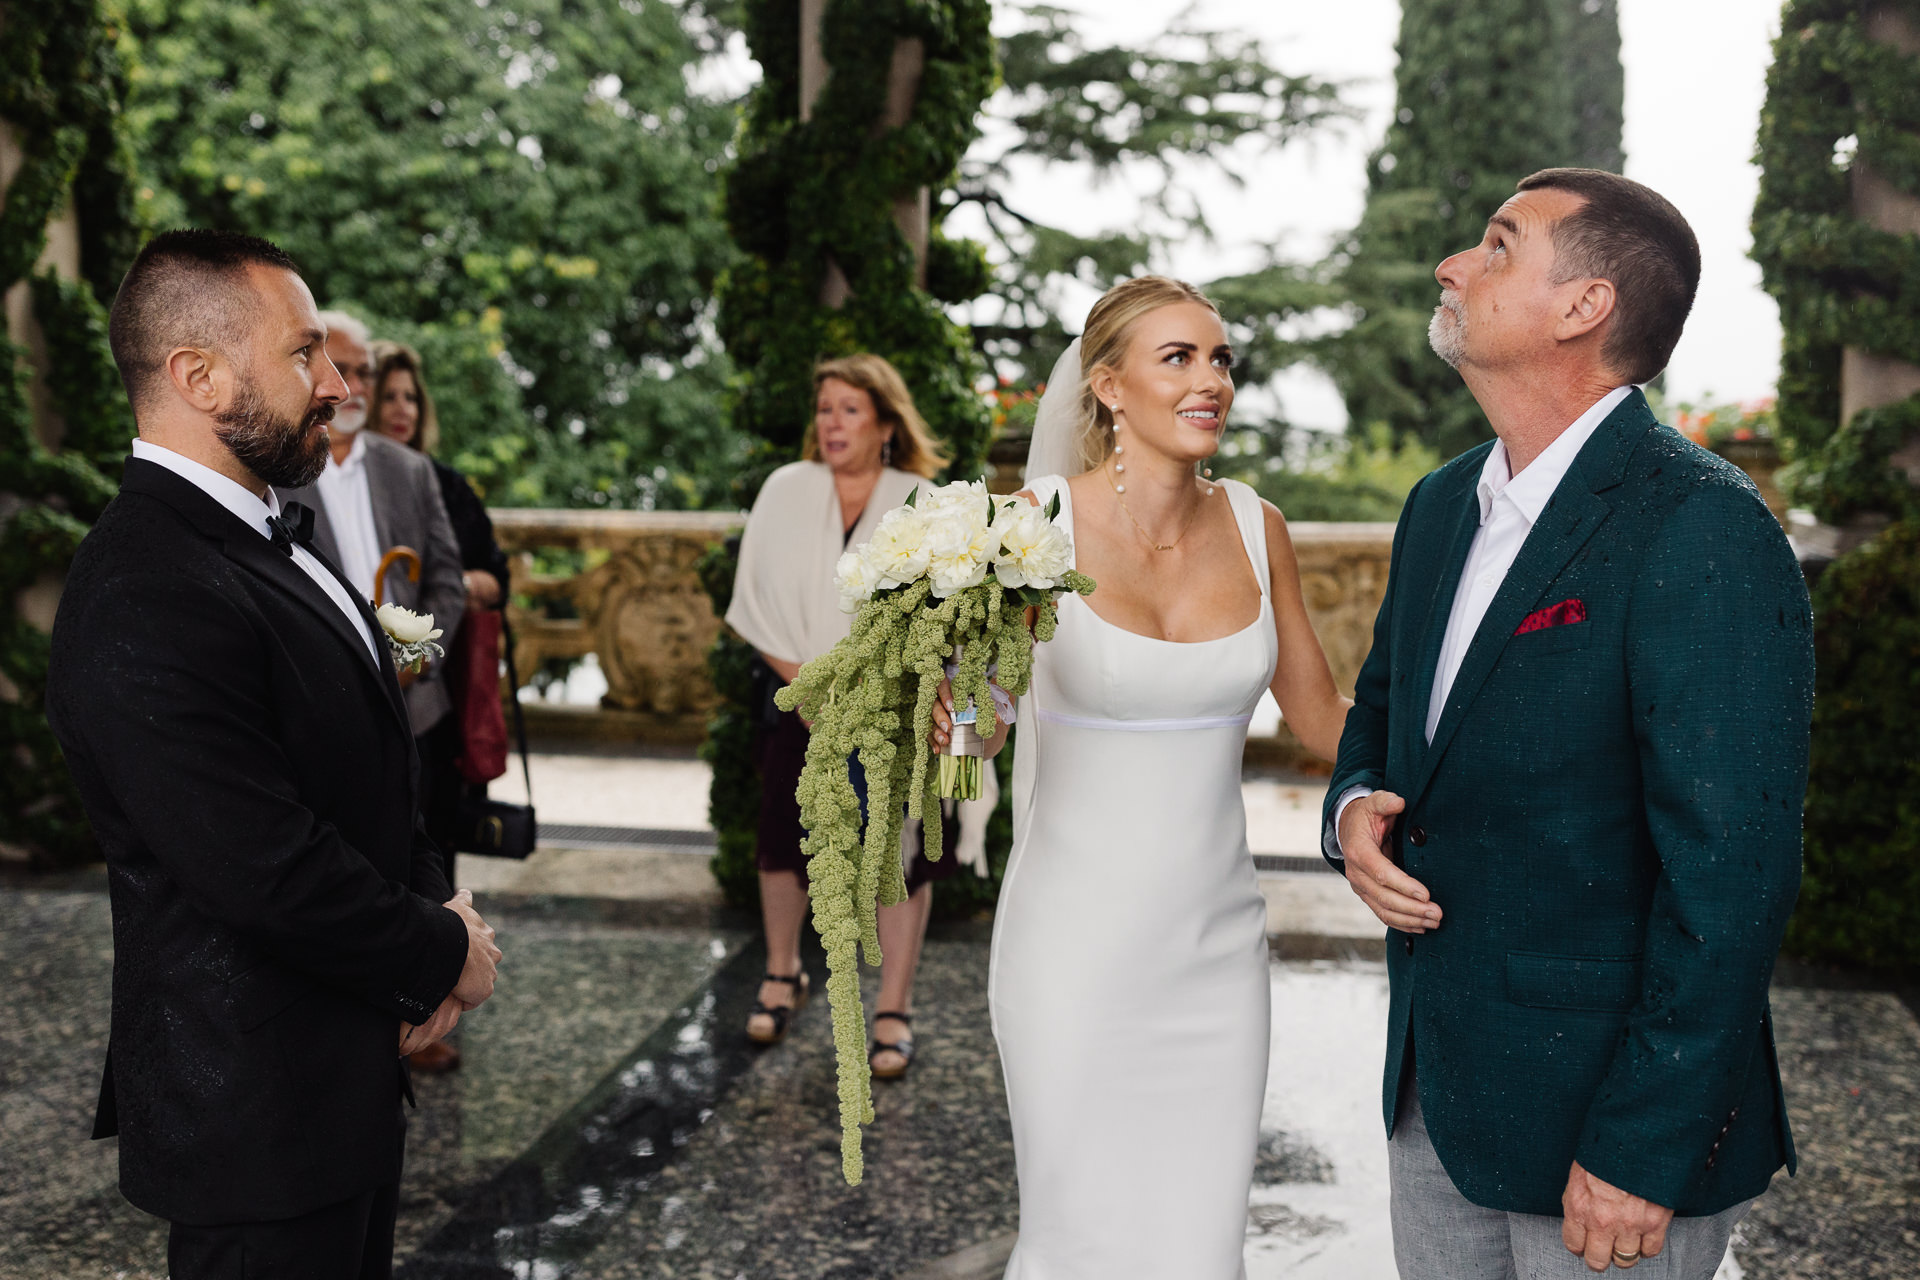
(1104,342)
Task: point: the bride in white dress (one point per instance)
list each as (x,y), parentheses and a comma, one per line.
(1129,981)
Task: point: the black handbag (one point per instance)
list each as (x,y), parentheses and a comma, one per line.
(496,828)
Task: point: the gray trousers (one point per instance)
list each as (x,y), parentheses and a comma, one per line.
(1438,1234)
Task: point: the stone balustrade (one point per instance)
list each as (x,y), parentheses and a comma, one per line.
(638,606)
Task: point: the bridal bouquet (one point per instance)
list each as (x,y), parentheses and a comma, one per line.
(949,575)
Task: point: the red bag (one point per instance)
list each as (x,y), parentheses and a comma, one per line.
(473,681)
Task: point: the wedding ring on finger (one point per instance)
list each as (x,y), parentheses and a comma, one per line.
(1623,1258)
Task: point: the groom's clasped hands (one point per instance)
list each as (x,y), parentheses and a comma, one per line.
(476,979)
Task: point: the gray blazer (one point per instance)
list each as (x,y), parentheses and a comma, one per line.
(407,511)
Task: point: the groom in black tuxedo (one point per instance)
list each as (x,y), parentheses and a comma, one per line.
(283,930)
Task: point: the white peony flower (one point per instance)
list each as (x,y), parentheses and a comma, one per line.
(405,625)
(1033,550)
(960,547)
(856,578)
(962,495)
(897,552)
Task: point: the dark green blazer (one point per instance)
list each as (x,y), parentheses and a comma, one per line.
(1608,815)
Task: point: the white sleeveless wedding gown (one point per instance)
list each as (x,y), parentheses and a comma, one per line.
(1129,982)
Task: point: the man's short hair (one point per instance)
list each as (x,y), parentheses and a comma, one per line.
(1627,233)
(186,289)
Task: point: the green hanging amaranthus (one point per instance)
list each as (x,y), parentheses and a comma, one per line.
(953,577)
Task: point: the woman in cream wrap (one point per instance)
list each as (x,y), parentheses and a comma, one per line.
(865,452)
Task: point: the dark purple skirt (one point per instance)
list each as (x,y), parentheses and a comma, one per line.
(782,749)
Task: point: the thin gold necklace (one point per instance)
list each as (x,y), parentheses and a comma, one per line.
(1121,499)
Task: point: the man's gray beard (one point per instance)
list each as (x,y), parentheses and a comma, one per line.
(1447,334)
(284,452)
(347,421)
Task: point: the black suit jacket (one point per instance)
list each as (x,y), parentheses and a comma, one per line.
(249,770)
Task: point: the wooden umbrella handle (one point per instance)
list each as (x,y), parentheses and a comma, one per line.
(408,557)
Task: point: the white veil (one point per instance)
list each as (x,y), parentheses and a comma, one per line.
(1053,451)
(1055,447)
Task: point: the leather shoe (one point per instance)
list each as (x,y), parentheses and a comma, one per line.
(436,1059)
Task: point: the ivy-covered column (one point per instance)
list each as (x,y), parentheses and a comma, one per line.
(863,110)
(1836,231)
(912,210)
(66,234)
(1869,378)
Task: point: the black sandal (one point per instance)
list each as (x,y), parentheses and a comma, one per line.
(903,1046)
(782,1016)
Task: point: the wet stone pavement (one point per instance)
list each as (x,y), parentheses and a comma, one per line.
(610,1122)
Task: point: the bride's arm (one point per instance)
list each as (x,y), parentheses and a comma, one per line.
(1302,681)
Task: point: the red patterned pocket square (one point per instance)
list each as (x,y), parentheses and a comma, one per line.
(1558,615)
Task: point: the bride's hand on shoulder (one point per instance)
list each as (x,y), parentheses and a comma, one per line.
(1303,684)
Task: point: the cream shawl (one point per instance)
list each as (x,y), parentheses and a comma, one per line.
(784,601)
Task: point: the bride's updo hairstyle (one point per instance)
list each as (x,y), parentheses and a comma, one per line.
(1104,342)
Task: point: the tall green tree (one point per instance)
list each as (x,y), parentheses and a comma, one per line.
(529,189)
(1486,93)
(1189,99)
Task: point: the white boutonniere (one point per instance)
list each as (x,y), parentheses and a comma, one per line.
(410,636)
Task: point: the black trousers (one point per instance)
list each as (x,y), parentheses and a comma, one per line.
(352,1240)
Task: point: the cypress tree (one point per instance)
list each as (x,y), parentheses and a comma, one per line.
(1488,91)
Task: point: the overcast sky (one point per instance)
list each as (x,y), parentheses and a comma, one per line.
(1695,80)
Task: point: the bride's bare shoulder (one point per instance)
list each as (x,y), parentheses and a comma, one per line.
(1279,541)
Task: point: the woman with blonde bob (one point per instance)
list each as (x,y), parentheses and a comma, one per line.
(866,450)
(1129,985)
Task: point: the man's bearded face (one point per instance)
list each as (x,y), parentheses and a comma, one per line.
(284,450)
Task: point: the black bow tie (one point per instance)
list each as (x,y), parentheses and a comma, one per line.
(293,525)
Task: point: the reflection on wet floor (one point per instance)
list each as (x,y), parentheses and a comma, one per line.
(611,1123)
(546,1210)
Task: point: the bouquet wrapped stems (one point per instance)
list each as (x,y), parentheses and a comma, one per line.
(960,777)
(962,760)
(955,577)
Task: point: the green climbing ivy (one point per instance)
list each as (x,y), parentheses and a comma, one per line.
(60,89)
(1839,101)
(806,194)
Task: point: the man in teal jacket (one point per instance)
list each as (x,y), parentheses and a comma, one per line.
(1572,778)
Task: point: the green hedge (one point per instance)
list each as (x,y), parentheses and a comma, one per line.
(1860,899)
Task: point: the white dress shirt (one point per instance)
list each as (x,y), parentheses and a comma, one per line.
(1509,506)
(343,487)
(253,513)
